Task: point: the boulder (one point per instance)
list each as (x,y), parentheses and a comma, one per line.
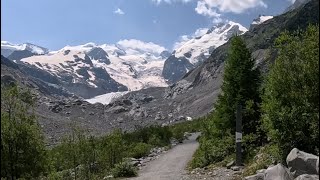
(230,164)
(259,176)
(307,177)
(278,172)
(235,168)
(300,162)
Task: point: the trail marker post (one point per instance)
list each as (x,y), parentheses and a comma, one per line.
(238,135)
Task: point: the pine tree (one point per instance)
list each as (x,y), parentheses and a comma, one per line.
(240,86)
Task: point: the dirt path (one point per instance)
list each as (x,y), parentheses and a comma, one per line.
(171,165)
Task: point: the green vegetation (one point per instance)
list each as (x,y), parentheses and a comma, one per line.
(124,169)
(78,156)
(279,114)
(23,152)
(240,86)
(291,93)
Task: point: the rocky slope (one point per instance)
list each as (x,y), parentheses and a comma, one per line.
(196,50)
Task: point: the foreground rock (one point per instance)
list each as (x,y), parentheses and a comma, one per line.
(301,166)
(278,172)
(300,162)
(307,177)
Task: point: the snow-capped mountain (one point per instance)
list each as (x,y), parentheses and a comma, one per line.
(198,49)
(8,48)
(90,69)
(259,20)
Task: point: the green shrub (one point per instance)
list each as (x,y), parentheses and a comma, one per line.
(140,150)
(124,169)
(291,93)
(267,155)
(212,151)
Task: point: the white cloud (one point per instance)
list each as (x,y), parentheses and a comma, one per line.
(292,1)
(204,9)
(118,11)
(234,6)
(133,45)
(184,38)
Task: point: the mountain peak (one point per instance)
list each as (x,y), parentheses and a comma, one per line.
(8,48)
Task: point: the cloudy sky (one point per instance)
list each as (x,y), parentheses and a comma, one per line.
(57,23)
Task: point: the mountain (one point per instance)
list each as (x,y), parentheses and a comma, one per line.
(90,70)
(261,19)
(195,94)
(296,4)
(19,51)
(198,49)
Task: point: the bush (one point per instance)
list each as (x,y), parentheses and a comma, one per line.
(291,97)
(267,155)
(212,151)
(140,150)
(124,169)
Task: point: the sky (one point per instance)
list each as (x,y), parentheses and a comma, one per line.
(56,23)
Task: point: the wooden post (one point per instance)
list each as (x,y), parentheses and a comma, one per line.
(238,135)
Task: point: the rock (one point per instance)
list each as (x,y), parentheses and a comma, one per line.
(147,99)
(307,177)
(189,118)
(159,116)
(230,164)
(318,165)
(235,168)
(118,109)
(300,162)
(127,102)
(259,176)
(261,171)
(278,172)
(135,163)
(91,113)
(108,177)
(56,108)
(78,102)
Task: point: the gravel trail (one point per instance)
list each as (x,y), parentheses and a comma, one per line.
(171,165)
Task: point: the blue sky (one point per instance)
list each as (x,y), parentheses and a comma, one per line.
(57,23)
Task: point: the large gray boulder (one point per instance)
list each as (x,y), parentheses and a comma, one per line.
(278,172)
(307,177)
(300,162)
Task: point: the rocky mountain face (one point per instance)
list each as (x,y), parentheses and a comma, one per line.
(296,4)
(198,49)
